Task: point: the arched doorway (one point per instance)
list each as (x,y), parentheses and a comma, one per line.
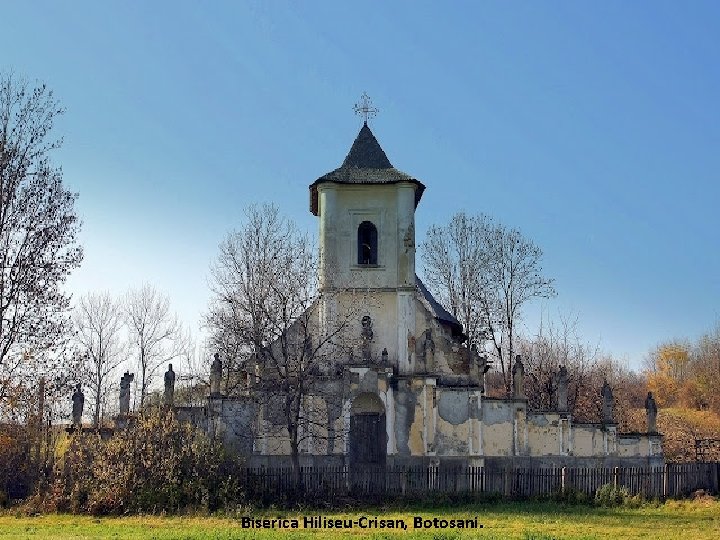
(368,438)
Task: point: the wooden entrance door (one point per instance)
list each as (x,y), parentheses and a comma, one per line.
(368,438)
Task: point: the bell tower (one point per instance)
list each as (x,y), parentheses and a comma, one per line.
(366,210)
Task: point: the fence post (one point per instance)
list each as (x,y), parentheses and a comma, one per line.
(666,479)
(615,477)
(562,479)
(508,481)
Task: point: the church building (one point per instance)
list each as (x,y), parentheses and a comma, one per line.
(411,391)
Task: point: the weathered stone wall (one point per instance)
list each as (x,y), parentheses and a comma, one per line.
(197,416)
(453,424)
(497,428)
(588,440)
(406,399)
(381,307)
(446,353)
(424,419)
(544,434)
(233,420)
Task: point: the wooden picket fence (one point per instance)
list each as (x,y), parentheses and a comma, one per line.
(327,483)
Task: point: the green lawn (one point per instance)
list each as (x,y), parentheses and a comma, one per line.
(682,520)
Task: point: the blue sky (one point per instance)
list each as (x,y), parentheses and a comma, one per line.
(592,127)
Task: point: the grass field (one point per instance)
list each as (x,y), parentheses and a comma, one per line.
(684,520)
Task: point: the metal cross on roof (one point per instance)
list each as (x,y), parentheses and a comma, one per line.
(365,108)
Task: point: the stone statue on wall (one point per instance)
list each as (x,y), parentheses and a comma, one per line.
(562,389)
(78,404)
(169,395)
(366,336)
(651,411)
(215,376)
(483,367)
(409,238)
(607,403)
(428,347)
(125,381)
(485,363)
(518,375)
(411,342)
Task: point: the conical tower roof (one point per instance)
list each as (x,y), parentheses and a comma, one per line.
(366,152)
(366,163)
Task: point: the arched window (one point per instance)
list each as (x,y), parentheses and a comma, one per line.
(367,243)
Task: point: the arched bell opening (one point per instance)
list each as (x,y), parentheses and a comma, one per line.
(367,244)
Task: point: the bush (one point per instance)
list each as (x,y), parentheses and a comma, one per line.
(16,471)
(570,496)
(611,496)
(156,464)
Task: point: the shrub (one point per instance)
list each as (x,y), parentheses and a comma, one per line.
(16,472)
(156,464)
(611,496)
(570,496)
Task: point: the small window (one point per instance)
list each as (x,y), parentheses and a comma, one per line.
(367,243)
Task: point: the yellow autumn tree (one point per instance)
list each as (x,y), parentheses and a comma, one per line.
(668,372)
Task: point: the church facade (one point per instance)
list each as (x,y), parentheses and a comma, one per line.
(411,392)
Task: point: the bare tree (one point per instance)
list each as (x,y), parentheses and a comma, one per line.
(555,345)
(265,295)
(193,375)
(154,332)
(38,232)
(513,276)
(99,325)
(455,261)
(487,273)
(228,338)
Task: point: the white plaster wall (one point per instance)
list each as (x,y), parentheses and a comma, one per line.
(342,209)
(381,306)
(406,335)
(452,440)
(632,447)
(387,292)
(406,234)
(497,428)
(543,434)
(417,440)
(587,441)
